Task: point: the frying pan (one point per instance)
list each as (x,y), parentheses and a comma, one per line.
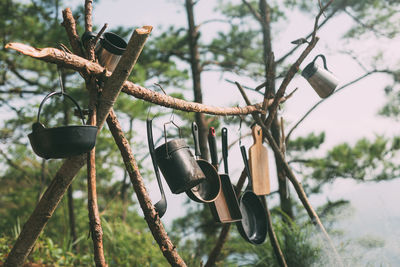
(161,205)
(208,190)
(253,226)
(225,208)
(61,142)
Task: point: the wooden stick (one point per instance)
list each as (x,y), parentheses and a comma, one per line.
(70,26)
(88,15)
(77,63)
(151,216)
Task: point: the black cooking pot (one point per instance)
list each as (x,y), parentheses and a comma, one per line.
(61,142)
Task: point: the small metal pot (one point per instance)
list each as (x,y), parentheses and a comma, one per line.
(178,165)
(61,142)
(321,79)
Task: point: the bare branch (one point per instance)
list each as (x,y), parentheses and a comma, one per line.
(71,61)
(323,100)
(70,27)
(88,15)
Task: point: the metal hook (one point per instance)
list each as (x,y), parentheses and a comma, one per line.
(60,80)
(240,130)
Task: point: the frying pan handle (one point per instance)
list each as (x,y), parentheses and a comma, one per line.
(224,132)
(153,154)
(59,93)
(212,143)
(246,165)
(195,132)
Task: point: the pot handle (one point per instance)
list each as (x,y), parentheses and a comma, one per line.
(323,59)
(59,93)
(246,166)
(212,143)
(224,133)
(195,132)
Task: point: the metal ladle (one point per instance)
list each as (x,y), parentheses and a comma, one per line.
(161,205)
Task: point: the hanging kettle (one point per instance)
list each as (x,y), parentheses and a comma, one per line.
(321,79)
(61,142)
(177,164)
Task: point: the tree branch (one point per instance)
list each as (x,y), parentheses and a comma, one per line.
(70,27)
(56,56)
(256,15)
(323,100)
(279,61)
(88,15)
(295,67)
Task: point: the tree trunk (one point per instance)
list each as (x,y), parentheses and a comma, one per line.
(193,35)
(270,70)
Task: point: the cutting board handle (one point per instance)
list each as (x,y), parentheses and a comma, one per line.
(256,131)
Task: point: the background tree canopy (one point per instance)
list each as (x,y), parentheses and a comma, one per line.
(337,146)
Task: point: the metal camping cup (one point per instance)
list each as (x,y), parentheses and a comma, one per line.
(108,50)
(178,165)
(321,79)
(61,142)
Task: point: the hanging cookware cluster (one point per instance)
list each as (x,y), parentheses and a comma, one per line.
(185,172)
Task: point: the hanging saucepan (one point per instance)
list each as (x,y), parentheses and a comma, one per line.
(225,208)
(161,205)
(253,226)
(208,190)
(178,164)
(62,142)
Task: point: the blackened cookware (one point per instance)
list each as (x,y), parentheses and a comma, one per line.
(161,205)
(225,208)
(177,164)
(64,141)
(208,190)
(253,226)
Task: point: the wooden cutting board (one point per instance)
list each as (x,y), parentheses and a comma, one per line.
(258,158)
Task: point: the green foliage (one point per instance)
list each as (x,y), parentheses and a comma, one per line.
(364,161)
(311,141)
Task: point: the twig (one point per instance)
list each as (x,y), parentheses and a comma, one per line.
(256,15)
(280,60)
(323,100)
(294,68)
